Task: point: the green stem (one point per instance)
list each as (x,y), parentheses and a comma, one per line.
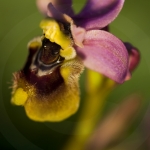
(98,88)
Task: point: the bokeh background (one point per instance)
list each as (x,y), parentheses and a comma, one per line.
(19,23)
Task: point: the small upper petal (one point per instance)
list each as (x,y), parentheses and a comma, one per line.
(78,34)
(63,6)
(105,53)
(53,12)
(98,13)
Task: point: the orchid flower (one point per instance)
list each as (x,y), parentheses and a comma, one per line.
(47,86)
(108,55)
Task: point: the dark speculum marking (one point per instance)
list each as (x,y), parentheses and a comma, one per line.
(45,84)
(46,58)
(48,55)
(49,52)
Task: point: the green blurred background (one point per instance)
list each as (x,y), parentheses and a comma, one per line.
(19,23)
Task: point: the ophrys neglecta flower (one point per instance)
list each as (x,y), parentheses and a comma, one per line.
(47,86)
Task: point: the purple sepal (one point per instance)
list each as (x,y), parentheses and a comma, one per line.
(106,54)
(98,13)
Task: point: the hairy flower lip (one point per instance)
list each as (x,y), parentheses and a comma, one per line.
(54,95)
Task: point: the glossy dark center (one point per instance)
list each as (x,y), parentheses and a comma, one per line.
(49,52)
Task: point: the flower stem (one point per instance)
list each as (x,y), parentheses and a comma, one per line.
(97,89)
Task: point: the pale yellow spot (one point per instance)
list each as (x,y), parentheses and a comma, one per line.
(19,97)
(68,53)
(34,45)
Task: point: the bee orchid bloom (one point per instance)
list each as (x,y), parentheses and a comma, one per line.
(100,50)
(47,86)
